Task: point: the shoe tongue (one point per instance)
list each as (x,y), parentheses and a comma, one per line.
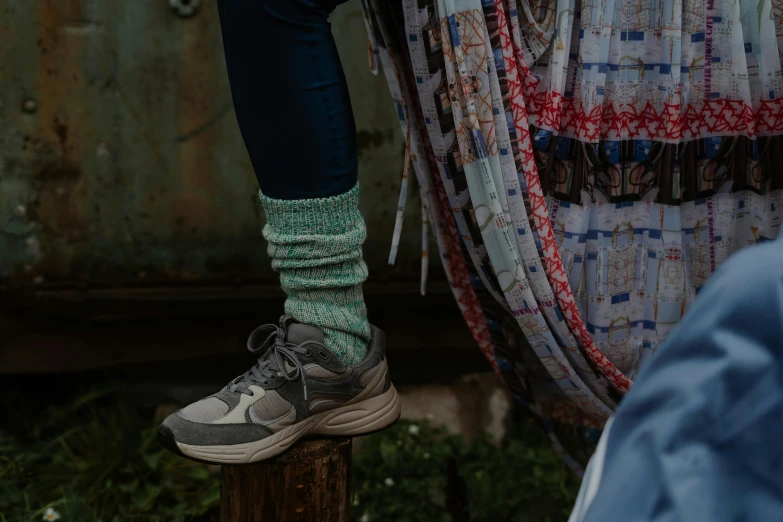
(299,333)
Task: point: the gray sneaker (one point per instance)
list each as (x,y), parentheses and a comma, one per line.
(298,387)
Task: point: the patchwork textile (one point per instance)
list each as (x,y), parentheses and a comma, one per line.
(670,70)
(586,165)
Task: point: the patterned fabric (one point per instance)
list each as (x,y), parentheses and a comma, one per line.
(637,265)
(551,255)
(316,245)
(487,315)
(491,177)
(433,193)
(601,158)
(643,272)
(673,70)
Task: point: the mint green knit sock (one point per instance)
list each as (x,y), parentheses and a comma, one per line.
(316,245)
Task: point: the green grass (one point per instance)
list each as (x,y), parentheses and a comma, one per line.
(96,459)
(523,481)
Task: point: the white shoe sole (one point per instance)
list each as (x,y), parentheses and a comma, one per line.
(364,417)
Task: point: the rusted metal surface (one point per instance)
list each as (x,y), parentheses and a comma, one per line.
(120,157)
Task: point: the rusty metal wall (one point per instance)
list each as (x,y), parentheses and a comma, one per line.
(120,157)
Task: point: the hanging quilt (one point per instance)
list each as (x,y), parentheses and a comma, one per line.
(585,166)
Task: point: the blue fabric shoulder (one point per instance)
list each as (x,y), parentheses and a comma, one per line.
(698,438)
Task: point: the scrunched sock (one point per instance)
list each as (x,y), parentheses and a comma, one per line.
(316,245)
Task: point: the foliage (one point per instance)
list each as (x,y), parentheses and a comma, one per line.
(96,459)
(523,481)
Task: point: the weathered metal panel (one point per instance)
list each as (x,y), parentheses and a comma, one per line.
(120,156)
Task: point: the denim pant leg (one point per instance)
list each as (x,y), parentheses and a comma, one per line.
(290,96)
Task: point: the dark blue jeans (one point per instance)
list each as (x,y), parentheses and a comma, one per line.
(290,96)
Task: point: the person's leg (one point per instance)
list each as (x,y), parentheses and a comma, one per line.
(290,96)
(291,101)
(322,369)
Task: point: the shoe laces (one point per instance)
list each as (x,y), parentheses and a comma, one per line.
(276,352)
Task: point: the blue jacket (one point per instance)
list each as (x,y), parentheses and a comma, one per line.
(699,438)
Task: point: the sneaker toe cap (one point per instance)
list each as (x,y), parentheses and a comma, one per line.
(176,429)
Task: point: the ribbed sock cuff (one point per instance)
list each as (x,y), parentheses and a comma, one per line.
(327,216)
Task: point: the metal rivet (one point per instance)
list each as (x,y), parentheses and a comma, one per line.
(185,8)
(29,106)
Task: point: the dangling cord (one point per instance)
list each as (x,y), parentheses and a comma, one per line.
(372,45)
(397,81)
(371,58)
(403,194)
(425,244)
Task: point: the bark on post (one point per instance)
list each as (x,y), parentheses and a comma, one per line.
(309,483)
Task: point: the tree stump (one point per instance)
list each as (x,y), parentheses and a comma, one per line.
(309,483)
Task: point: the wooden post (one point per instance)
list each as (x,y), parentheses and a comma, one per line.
(309,483)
